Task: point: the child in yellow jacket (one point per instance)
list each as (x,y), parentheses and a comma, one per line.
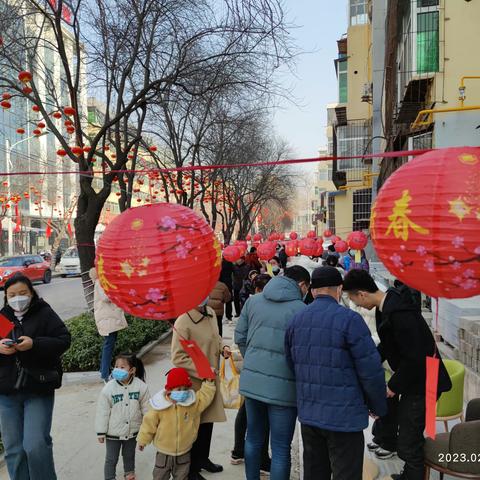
(172,423)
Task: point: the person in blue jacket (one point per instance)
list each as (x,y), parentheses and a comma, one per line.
(266,381)
(339,378)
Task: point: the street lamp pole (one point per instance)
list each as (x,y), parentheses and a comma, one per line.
(8,150)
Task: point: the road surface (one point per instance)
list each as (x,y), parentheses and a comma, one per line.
(65,295)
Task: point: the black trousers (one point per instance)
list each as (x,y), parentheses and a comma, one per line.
(220,325)
(236,301)
(201,448)
(229,307)
(240,434)
(411,424)
(332,455)
(385,429)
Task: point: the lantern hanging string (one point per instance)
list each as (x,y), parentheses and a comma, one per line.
(384,155)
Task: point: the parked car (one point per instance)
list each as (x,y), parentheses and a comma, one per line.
(70,263)
(32,266)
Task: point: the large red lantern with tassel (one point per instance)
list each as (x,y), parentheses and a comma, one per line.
(425,223)
(158,261)
(267,250)
(308,247)
(232,253)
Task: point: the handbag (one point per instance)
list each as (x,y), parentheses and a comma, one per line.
(35,377)
(230,388)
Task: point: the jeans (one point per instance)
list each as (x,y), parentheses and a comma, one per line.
(411,424)
(240,434)
(385,429)
(332,455)
(25,423)
(113,452)
(282,427)
(107,354)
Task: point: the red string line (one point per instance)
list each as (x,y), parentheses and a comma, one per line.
(401,153)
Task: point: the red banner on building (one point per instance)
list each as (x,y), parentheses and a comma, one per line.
(67,10)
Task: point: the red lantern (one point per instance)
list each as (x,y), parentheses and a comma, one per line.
(319,250)
(357,240)
(40,125)
(327,233)
(248,238)
(70,130)
(20,131)
(27,90)
(5,104)
(61,152)
(257,237)
(308,247)
(425,223)
(77,150)
(69,111)
(6,96)
(293,235)
(242,244)
(334,239)
(35,108)
(153,148)
(291,248)
(57,115)
(232,253)
(37,132)
(341,246)
(87,149)
(68,123)
(158,261)
(267,250)
(25,77)
(311,234)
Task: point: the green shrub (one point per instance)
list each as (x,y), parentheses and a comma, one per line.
(84,353)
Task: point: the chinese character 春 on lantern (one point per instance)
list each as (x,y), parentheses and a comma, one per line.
(158,261)
(425,223)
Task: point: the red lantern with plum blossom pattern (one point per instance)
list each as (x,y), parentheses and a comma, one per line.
(425,223)
(267,250)
(341,246)
(308,247)
(357,240)
(232,253)
(158,261)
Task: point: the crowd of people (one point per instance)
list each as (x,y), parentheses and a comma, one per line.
(306,357)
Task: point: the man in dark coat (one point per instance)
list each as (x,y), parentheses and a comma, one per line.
(226,278)
(239,275)
(405,342)
(339,380)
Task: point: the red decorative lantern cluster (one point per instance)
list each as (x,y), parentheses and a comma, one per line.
(267,250)
(357,240)
(158,261)
(425,223)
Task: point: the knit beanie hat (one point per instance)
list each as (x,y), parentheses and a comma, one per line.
(177,377)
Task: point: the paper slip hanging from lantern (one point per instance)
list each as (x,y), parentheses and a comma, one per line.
(158,261)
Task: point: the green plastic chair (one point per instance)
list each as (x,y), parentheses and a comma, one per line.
(450,404)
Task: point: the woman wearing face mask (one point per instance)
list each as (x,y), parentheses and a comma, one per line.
(30,371)
(200,325)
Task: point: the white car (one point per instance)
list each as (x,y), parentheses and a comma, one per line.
(70,263)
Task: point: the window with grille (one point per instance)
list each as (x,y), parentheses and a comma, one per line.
(427,42)
(362,201)
(358,12)
(331,213)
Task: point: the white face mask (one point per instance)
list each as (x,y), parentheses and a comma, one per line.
(20,302)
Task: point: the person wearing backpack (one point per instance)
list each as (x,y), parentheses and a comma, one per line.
(405,342)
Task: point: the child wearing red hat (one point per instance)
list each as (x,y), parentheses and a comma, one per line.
(172,423)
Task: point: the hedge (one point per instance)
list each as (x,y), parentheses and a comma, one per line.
(84,353)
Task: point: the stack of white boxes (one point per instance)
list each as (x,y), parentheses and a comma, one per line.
(469,342)
(449,314)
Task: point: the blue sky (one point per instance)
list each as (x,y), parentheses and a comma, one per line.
(320,23)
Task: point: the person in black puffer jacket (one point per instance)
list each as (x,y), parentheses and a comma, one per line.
(30,371)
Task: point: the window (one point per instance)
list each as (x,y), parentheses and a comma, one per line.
(427,3)
(342,81)
(362,202)
(427,42)
(358,12)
